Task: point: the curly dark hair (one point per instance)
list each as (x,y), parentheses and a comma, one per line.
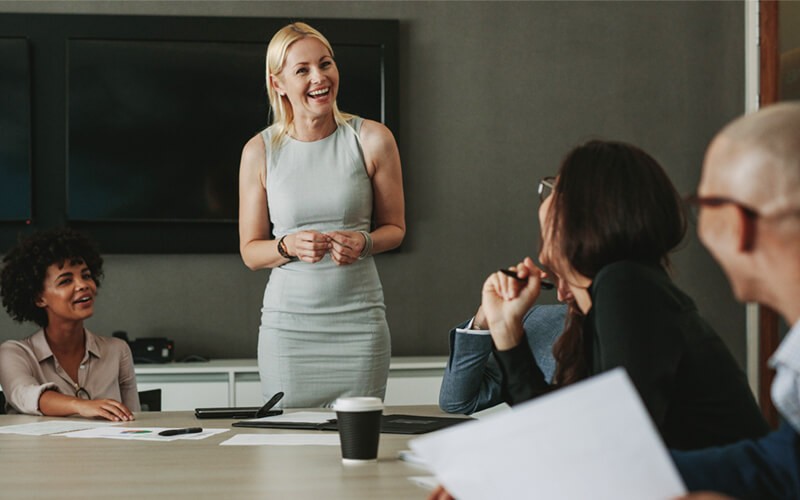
(22,277)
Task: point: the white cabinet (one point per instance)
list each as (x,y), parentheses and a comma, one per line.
(186,392)
(235,382)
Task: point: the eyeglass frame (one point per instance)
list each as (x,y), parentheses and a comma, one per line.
(717,201)
(750,213)
(80,390)
(548,182)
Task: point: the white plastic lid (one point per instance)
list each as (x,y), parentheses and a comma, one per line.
(358,404)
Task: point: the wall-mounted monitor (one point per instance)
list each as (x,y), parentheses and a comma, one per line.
(15,130)
(156,128)
(134,125)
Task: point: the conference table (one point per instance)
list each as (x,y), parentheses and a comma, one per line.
(54,466)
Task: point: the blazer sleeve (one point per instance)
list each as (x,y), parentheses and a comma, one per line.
(763,469)
(471,379)
(523,380)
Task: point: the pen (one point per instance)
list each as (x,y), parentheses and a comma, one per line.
(177,432)
(545,285)
(264,411)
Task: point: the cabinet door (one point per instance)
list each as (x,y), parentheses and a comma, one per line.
(247,390)
(413,387)
(187,392)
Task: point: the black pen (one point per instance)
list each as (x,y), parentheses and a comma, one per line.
(264,411)
(178,432)
(545,285)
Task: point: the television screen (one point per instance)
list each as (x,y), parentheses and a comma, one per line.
(156,128)
(15,133)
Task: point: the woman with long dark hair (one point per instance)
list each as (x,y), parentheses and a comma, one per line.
(609,220)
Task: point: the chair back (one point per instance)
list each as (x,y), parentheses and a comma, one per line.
(150,400)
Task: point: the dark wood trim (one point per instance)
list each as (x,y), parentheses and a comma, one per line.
(769,55)
(768,337)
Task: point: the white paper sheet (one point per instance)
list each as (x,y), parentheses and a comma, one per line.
(412,458)
(315,439)
(52,427)
(141,433)
(591,440)
(426,482)
(312,417)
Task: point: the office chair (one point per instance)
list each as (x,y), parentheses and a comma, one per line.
(2,403)
(150,400)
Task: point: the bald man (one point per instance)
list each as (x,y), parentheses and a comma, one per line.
(749,219)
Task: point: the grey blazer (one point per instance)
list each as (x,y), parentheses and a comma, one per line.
(473,380)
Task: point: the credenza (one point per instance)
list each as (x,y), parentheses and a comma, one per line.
(235,382)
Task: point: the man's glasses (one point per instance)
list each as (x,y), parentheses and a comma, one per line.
(696,201)
(82,393)
(546,186)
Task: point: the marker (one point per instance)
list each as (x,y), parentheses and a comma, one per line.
(545,285)
(178,432)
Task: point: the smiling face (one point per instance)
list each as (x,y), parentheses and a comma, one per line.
(545,251)
(572,286)
(68,292)
(309,79)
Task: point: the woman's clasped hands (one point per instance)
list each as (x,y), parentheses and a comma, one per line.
(505,299)
(311,246)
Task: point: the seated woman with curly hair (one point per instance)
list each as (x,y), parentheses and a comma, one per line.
(51,278)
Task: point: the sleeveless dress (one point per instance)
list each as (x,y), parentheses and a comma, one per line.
(323,327)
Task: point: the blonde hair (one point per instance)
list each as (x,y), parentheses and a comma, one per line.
(282,114)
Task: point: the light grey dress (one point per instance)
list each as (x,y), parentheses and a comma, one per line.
(323,327)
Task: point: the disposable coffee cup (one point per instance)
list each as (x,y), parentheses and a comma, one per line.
(359,422)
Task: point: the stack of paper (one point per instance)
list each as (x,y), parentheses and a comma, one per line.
(591,440)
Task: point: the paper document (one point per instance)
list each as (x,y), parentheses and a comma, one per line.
(592,440)
(410,457)
(315,439)
(309,417)
(141,433)
(52,427)
(427,482)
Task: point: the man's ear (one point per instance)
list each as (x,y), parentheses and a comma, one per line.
(40,302)
(746,230)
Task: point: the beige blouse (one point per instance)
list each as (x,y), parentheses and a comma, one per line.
(28,368)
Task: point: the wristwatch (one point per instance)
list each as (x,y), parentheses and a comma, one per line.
(283,250)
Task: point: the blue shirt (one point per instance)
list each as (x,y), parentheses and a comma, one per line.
(763,469)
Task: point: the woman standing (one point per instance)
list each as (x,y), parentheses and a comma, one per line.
(51,278)
(311,186)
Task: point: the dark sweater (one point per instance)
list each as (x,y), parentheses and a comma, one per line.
(693,388)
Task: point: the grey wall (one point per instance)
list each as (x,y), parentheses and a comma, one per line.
(493,94)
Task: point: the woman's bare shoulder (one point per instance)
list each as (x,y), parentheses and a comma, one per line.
(376,136)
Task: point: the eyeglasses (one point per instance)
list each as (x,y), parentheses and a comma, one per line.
(695,200)
(82,393)
(546,186)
